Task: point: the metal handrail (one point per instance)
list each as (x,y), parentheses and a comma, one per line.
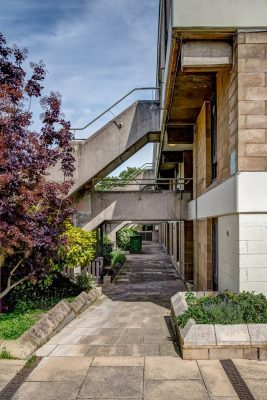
(150,181)
(113,105)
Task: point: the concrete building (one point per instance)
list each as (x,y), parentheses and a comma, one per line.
(212,71)
(209,129)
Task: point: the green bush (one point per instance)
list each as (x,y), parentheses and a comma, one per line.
(123,238)
(118,257)
(225,308)
(79,250)
(107,250)
(84,281)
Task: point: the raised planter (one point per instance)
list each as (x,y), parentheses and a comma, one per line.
(217,342)
(50,324)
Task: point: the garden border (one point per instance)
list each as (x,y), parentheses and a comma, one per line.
(49,324)
(217,342)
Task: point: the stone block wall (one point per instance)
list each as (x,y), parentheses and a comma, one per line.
(253,252)
(252,101)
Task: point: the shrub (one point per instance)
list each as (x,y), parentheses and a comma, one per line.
(107,250)
(123,238)
(80,249)
(84,281)
(118,257)
(225,308)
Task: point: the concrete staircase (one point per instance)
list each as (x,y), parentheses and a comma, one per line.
(105,150)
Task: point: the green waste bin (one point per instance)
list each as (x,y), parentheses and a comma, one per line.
(135,243)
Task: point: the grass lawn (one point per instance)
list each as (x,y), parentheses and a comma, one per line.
(15,324)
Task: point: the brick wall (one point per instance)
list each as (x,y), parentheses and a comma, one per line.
(252,101)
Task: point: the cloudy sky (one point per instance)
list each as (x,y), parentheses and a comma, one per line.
(95,51)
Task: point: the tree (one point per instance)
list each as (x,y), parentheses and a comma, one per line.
(111,182)
(33,210)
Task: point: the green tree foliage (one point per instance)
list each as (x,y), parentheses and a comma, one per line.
(118,257)
(107,250)
(123,238)
(80,248)
(123,179)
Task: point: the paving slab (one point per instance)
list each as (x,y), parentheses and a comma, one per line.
(250,369)
(47,391)
(113,382)
(118,361)
(170,368)
(61,369)
(216,380)
(175,389)
(65,350)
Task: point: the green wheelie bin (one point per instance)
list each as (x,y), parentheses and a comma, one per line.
(135,244)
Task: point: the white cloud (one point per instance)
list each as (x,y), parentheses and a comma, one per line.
(95,50)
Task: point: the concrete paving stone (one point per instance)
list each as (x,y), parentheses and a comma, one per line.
(65,350)
(47,391)
(20,363)
(154,331)
(141,350)
(174,390)
(99,340)
(155,339)
(134,332)
(112,332)
(236,335)
(45,350)
(168,349)
(105,350)
(258,389)
(130,340)
(250,369)
(216,381)
(61,369)
(3,384)
(113,382)
(224,398)
(7,372)
(171,368)
(118,361)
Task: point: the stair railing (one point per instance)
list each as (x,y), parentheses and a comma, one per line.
(113,105)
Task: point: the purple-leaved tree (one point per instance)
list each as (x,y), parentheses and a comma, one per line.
(33,211)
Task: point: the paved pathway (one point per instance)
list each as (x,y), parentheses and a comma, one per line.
(122,347)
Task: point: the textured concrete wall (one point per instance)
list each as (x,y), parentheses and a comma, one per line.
(136,206)
(217,13)
(228,252)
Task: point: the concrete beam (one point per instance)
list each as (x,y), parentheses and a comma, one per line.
(203,55)
(137,206)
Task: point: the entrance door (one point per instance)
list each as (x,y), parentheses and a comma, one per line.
(214,254)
